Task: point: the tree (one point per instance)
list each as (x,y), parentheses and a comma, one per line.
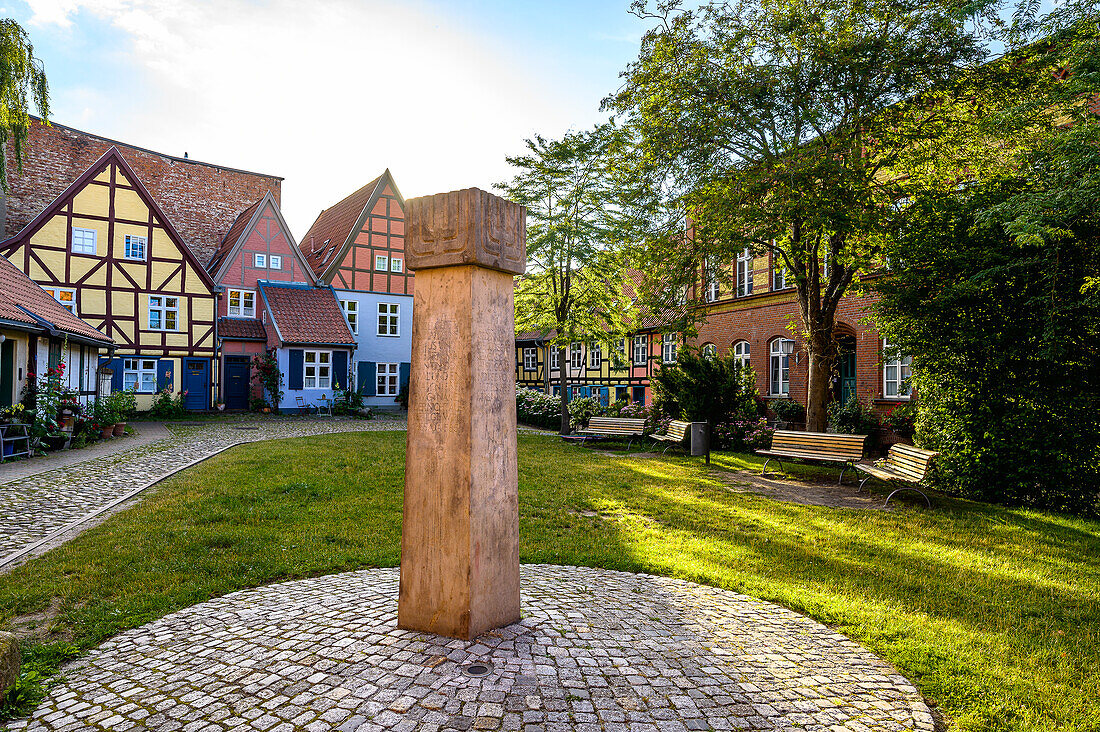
(778,126)
(21,76)
(705,388)
(574,287)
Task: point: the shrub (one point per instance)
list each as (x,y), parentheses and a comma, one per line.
(852,418)
(901,419)
(266,373)
(538,409)
(788,410)
(743,435)
(165,406)
(583,409)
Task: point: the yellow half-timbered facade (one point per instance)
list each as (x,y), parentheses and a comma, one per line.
(106,251)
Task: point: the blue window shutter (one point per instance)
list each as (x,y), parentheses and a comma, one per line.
(403,378)
(339,369)
(116,379)
(367,372)
(297,368)
(164,374)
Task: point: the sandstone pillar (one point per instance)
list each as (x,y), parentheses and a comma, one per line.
(460,536)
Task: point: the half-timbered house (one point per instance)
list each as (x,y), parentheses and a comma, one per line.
(258,247)
(105,248)
(358,247)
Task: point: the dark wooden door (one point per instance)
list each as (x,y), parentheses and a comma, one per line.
(196,381)
(236,382)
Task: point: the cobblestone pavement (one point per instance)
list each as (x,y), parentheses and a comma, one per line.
(34,507)
(595,650)
(144,434)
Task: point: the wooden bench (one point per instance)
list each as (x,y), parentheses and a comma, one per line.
(677,430)
(816,447)
(902,464)
(629,427)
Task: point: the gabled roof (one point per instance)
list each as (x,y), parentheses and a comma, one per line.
(112,155)
(241,329)
(240,231)
(304,314)
(327,241)
(25,305)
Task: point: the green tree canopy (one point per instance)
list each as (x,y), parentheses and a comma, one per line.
(21,78)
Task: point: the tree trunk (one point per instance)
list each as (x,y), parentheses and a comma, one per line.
(817,383)
(562,382)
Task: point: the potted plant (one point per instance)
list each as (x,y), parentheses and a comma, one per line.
(124,404)
(103,415)
(220,405)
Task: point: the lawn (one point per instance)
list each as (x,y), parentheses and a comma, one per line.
(993,613)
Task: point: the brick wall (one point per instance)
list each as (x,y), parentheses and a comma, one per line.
(201,200)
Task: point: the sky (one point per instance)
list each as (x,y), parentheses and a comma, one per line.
(329,93)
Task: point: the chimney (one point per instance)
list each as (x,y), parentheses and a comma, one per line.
(185,155)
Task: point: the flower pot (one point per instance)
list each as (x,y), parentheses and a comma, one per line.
(106,431)
(120,429)
(64,421)
(221,407)
(267,409)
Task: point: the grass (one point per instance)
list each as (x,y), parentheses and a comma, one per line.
(994,613)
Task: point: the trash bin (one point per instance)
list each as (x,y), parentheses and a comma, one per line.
(698,438)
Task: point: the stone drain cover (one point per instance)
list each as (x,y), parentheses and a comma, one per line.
(478,669)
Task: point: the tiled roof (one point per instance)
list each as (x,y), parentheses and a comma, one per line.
(534,335)
(230,238)
(306,314)
(248,329)
(23,301)
(333,226)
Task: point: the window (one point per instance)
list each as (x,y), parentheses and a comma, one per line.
(668,348)
(897,370)
(84,241)
(576,356)
(826,266)
(744,273)
(351,312)
(710,350)
(135,247)
(641,350)
(741,353)
(711,287)
(318,369)
(64,295)
(381,262)
(276,261)
(140,373)
(261,260)
(781,350)
(386,380)
(554,358)
(779,278)
(530,359)
(163,312)
(595,355)
(397,264)
(620,347)
(388,324)
(242,303)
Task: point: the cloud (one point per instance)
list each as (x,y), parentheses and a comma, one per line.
(327,94)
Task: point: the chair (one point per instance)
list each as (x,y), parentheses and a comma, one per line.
(325,407)
(303,407)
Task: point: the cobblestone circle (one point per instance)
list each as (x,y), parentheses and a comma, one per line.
(32,508)
(595,650)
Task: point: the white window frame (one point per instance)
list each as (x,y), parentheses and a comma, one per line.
(243,310)
(902,367)
(131,244)
(712,289)
(742,353)
(641,349)
(381,262)
(389,320)
(779,278)
(530,359)
(397,264)
(166,307)
(260,260)
(59,292)
(275,261)
(576,355)
(779,371)
(85,246)
(668,348)
(351,312)
(744,273)
(317,374)
(555,362)
(387,379)
(710,350)
(140,373)
(595,355)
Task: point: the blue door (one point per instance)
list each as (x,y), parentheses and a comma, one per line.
(236,382)
(196,382)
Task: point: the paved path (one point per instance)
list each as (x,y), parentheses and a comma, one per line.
(37,506)
(144,434)
(596,650)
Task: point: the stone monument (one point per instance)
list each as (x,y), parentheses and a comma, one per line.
(460,536)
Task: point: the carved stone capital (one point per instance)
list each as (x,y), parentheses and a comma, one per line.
(465,227)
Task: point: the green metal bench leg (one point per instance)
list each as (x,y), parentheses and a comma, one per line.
(862,483)
(899,490)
